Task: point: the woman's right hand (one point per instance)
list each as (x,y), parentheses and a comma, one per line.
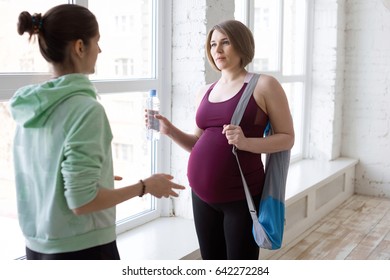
(161,185)
(165,124)
(185,140)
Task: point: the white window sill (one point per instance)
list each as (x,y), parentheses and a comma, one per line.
(307,174)
(166,238)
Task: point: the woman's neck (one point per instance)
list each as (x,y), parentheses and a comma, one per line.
(232,76)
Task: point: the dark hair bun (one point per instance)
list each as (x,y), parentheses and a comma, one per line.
(25,23)
(29,23)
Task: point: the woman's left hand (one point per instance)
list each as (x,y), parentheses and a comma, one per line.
(234,135)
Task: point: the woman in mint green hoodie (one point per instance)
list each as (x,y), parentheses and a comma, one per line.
(62,147)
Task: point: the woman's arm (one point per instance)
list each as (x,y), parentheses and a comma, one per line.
(183,139)
(158,185)
(271,98)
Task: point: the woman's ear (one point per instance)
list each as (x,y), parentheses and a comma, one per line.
(79,47)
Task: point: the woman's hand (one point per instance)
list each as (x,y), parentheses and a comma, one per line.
(160,185)
(234,135)
(183,139)
(165,125)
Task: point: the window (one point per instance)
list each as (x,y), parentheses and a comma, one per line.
(280,31)
(128,67)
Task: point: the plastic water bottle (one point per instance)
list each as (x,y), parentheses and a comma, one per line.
(153,107)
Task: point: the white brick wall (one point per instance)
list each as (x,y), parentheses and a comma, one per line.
(350,113)
(327,85)
(366,118)
(351,79)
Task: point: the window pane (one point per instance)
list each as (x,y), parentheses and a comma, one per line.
(295,92)
(266,34)
(126,30)
(131,151)
(17,54)
(294,37)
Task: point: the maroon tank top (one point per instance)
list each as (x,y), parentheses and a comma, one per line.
(213,172)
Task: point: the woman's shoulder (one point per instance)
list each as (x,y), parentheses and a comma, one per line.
(267,84)
(267,89)
(266,80)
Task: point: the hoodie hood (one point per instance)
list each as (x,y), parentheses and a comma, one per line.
(32,105)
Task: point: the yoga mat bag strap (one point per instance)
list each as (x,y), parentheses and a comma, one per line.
(268,222)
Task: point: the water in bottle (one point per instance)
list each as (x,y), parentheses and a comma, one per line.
(153,107)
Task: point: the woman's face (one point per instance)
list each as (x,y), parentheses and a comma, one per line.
(93,50)
(224,55)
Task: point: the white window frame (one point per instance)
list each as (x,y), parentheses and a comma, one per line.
(247,15)
(161,81)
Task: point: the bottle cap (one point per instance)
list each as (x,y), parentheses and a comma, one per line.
(152,93)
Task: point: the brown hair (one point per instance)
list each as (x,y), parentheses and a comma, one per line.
(239,36)
(58,27)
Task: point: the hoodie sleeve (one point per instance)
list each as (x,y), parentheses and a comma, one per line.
(86,149)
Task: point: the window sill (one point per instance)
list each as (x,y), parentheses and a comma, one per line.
(166,238)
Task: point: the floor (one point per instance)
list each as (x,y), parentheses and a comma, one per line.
(359,229)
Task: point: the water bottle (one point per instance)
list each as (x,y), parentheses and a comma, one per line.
(153,107)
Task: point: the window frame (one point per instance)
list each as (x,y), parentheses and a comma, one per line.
(161,81)
(247,15)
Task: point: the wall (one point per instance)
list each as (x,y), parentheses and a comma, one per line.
(350,113)
(366,118)
(328,76)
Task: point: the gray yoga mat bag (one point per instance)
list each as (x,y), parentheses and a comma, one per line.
(268,222)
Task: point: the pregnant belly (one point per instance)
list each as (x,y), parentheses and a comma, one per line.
(213,172)
(212,165)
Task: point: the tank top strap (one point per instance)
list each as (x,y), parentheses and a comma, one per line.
(212,86)
(206,96)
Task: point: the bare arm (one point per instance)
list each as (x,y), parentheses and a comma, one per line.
(183,139)
(158,185)
(270,96)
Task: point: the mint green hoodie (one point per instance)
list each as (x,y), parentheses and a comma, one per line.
(62,155)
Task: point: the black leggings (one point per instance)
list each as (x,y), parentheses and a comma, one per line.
(103,252)
(225,230)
